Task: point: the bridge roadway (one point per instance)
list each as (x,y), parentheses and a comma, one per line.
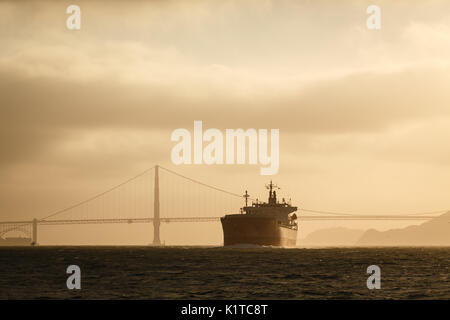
(212,219)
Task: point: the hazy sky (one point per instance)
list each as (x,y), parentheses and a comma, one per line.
(364,115)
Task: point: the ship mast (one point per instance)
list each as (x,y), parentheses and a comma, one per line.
(246,196)
(272,193)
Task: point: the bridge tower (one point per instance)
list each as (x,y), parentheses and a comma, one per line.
(34,233)
(156,221)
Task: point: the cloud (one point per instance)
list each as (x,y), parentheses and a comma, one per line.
(38,111)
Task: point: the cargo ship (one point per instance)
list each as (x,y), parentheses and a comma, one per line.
(271,223)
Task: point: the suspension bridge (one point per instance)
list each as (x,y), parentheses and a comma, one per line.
(146,198)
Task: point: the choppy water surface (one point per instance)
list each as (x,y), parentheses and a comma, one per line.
(223,273)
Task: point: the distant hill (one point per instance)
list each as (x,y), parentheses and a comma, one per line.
(435,232)
(339,237)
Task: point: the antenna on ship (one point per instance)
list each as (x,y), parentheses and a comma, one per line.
(271,186)
(246,196)
(272,194)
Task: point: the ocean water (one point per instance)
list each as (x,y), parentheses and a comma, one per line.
(223,273)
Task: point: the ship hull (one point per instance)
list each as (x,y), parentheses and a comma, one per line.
(263,231)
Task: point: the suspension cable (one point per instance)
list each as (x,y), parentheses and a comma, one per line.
(217,189)
(387,214)
(98,195)
(203,184)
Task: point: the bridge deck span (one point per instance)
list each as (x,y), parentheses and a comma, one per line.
(212,219)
